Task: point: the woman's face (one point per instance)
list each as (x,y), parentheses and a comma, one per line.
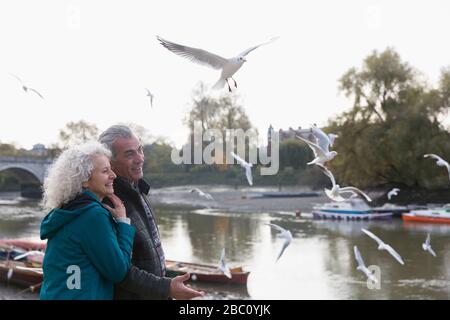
(101,181)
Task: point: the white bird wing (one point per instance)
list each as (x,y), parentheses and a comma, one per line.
(277,227)
(20,80)
(239,160)
(35,91)
(223,265)
(23,255)
(327,173)
(431,251)
(355,190)
(246,52)
(358,257)
(318,151)
(195,55)
(322,138)
(428,240)
(434,156)
(394,254)
(209,196)
(332,137)
(283,247)
(248,174)
(370,234)
(196,190)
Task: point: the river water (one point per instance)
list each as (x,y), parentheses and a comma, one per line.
(319,263)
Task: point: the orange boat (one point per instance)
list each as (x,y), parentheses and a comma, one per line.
(436,215)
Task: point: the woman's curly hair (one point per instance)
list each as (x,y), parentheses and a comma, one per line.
(68,172)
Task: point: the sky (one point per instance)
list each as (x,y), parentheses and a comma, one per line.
(91,60)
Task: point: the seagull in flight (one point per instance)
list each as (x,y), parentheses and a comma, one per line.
(323,140)
(228,66)
(285,234)
(151,96)
(247,166)
(393,192)
(223,266)
(384,246)
(336,191)
(321,147)
(202,194)
(439,161)
(26,88)
(362,267)
(427,246)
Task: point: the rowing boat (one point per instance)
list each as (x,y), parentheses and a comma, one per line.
(206,273)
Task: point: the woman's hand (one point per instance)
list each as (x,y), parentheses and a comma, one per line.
(119,209)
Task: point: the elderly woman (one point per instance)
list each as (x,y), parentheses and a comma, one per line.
(89,244)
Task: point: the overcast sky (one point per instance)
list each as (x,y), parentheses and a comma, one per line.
(92,59)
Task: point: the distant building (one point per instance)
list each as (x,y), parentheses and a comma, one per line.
(288,135)
(38,150)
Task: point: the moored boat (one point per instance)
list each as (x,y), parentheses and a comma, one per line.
(351,209)
(432,215)
(199,272)
(206,273)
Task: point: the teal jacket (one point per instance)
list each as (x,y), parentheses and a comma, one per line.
(87,250)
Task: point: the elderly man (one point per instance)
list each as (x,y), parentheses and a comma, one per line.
(146,277)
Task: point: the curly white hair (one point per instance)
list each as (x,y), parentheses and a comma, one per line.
(68,172)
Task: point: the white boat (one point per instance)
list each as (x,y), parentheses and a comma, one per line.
(351,209)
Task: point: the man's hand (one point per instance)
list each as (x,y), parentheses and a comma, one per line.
(179,291)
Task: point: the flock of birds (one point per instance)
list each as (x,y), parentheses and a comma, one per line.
(322,154)
(320,145)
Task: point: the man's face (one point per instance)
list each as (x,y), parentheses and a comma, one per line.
(129,159)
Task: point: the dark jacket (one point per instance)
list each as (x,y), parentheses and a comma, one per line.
(83,235)
(144,279)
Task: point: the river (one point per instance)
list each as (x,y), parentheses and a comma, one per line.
(318,264)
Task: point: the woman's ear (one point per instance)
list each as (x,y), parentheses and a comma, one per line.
(85,184)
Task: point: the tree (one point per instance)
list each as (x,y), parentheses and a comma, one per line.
(393,122)
(77,133)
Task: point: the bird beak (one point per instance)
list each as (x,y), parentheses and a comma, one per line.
(244,60)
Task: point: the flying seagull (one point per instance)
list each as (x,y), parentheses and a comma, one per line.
(321,147)
(384,246)
(427,246)
(151,96)
(228,66)
(439,161)
(223,266)
(393,192)
(362,267)
(202,194)
(247,166)
(336,191)
(26,88)
(285,234)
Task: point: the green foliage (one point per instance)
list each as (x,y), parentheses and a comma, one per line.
(394,121)
(77,132)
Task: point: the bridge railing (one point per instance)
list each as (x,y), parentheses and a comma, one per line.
(27,160)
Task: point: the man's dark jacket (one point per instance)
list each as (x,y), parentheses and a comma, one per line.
(144,279)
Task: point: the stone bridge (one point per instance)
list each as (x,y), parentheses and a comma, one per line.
(28,165)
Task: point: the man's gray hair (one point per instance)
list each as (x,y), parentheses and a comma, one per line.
(111,134)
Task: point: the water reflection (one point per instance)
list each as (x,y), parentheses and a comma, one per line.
(319,263)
